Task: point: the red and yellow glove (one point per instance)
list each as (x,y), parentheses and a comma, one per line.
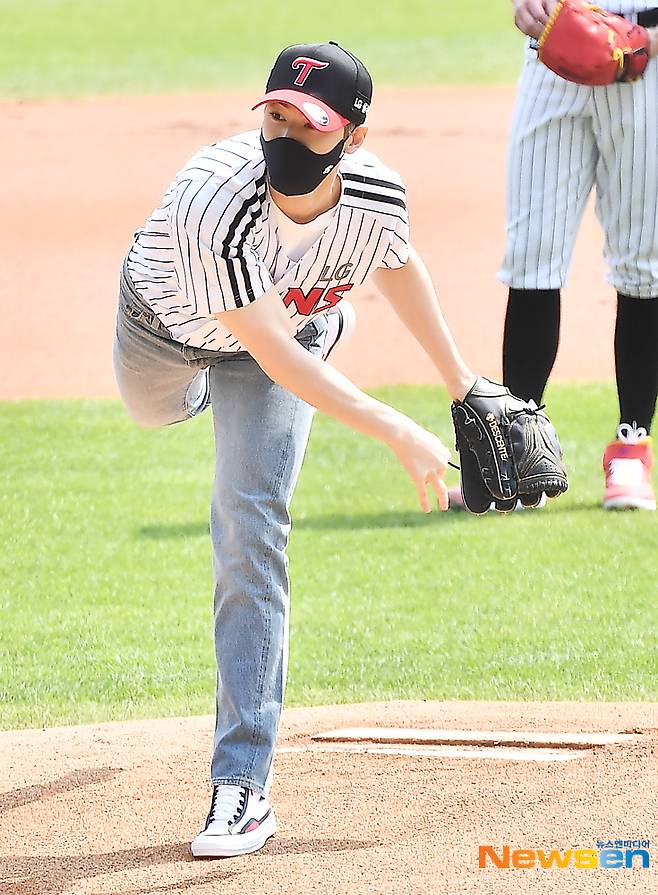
(588,45)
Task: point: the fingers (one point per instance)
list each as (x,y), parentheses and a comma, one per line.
(425,458)
(422,496)
(532,15)
(436,481)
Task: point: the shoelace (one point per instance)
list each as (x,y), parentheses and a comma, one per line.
(630,433)
(228,802)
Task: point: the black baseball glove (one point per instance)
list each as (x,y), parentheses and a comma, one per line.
(508,450)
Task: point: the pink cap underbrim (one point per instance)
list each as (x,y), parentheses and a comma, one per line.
(318,114)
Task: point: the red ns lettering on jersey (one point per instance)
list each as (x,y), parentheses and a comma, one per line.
(309,302)
(307,65)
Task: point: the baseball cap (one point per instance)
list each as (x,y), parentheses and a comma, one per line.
(325,82)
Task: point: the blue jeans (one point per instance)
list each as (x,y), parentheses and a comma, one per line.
(261,432)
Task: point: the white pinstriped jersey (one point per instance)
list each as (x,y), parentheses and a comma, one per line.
(626,7)
(214,245)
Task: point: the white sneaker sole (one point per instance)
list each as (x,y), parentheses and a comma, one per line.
(234,844)
(629,503)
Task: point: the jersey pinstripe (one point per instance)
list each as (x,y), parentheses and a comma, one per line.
(565,140)
(214,245)
(626,7)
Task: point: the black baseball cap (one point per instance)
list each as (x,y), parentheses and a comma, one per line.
(325,82)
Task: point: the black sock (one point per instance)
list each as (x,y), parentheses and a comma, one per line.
(636,359)
(532,333)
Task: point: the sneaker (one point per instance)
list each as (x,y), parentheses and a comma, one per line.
(627,464)
(240,821)
(456,501)
(341,322)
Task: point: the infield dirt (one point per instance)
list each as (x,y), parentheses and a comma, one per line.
(83,175)
(110,809)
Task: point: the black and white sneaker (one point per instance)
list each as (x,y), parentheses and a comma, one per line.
(341,321)
(239,822)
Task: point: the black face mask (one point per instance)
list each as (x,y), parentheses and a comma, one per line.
(293,169)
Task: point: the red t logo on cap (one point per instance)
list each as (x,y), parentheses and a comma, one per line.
(307,65)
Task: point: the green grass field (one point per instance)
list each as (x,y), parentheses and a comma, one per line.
(106,584)
(87,47)
(105,602)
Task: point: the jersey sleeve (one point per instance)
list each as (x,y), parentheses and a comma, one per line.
(215,263)
(397,253)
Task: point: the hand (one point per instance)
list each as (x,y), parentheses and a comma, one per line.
(531,16)
(425,459)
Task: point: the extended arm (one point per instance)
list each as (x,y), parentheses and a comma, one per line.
(264,329)
(411,293)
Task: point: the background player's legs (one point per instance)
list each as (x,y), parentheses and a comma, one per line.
(261,433)
(552,161)
(528,360)
(626,126)
(636,360)
(156,383)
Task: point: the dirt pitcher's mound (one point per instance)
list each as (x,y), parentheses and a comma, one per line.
(111,808)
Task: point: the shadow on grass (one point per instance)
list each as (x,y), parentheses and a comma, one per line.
(49,874)
(335,521)
(369,521)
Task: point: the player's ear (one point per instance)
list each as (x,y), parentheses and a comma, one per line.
(356,138)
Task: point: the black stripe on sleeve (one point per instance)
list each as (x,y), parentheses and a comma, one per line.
(375,197)
(257,198)
(373,181)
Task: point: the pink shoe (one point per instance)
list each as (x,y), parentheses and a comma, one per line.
(627,464)
(455,499)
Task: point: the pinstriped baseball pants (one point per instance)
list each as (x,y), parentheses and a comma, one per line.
(565,140)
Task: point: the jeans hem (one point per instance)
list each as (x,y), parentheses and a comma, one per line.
(239,781)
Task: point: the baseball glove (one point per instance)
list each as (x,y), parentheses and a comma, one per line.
(588,45)
(508,450)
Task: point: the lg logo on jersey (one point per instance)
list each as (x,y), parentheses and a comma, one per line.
(310,302)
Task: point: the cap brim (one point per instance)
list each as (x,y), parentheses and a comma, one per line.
(318,114)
